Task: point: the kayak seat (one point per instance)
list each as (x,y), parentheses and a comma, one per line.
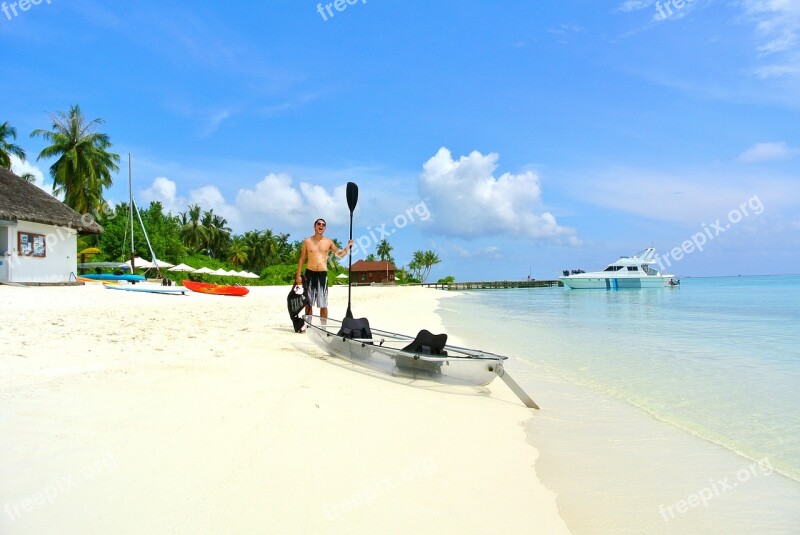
(428,343)
(355,328)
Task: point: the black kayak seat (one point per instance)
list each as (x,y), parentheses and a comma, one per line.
(355,328)
(428,343)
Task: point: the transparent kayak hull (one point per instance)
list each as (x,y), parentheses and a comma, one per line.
(383,352)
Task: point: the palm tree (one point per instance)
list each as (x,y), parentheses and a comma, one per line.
(28,177)
(385,251)
(193,232)
(429,259)
(422,263)
(84,165)
(7,148)
(371,257)
(237,253)
(223,234)
(212,232)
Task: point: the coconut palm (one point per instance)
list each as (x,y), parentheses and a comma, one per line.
(7,148)
(192,231)
(237,253)
(84,164)
(28,177)
(429,259)
(217,233)
(422,263)
(385,251)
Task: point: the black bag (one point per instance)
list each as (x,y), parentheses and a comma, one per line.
(296,302)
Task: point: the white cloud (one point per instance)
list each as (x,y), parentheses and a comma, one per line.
(211,198)
(276,201)
(777,20)
(21,167)
(164,191)
(467,201)
(491,251)
(778,24)
(634,5)
(761,152)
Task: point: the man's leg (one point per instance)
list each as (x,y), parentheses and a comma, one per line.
(323,312)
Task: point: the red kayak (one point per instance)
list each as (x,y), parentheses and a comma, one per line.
(216,289)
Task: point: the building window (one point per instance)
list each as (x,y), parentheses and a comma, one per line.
(29,244)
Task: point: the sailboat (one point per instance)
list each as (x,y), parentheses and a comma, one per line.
(132,278)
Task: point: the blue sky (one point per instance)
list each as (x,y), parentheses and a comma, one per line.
(512,138)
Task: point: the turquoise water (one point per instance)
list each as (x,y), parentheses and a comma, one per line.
(717,359)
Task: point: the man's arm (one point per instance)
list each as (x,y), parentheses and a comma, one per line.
(341,253)
(303,254)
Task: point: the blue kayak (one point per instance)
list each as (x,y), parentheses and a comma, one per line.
(112,277)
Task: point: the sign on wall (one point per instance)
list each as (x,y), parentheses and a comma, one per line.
(29,244)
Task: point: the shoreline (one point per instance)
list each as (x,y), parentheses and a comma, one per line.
(209,414)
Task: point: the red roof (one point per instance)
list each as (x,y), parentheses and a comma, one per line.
(381,265)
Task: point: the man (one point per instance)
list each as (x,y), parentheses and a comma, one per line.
(315,249)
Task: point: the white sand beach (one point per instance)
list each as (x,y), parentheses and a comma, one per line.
(123,412)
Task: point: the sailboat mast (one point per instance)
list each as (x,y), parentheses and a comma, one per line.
(130,194)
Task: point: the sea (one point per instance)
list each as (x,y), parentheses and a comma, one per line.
(668,410)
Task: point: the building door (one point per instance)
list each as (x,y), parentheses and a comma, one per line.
(5,252)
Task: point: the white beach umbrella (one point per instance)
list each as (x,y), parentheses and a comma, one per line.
(234,273)
(181,267)
(221,272)
(204,270)
(161,264)
(249,275)
(140,263)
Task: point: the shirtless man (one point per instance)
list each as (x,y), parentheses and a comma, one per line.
(315,249)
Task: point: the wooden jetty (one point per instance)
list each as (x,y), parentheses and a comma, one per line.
(493,285)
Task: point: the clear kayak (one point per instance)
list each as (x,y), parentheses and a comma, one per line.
(390,353)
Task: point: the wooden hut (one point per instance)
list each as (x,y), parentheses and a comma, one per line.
(38,233)
(363,272)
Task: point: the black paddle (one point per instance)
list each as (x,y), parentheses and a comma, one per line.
(352,199)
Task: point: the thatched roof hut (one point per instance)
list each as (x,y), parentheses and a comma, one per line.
(21,200)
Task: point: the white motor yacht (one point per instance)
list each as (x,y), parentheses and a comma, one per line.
(635,271)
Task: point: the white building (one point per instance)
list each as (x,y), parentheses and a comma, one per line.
(38,233)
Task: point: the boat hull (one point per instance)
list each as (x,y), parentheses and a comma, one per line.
(461,366)
(215,289)
(614,283)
